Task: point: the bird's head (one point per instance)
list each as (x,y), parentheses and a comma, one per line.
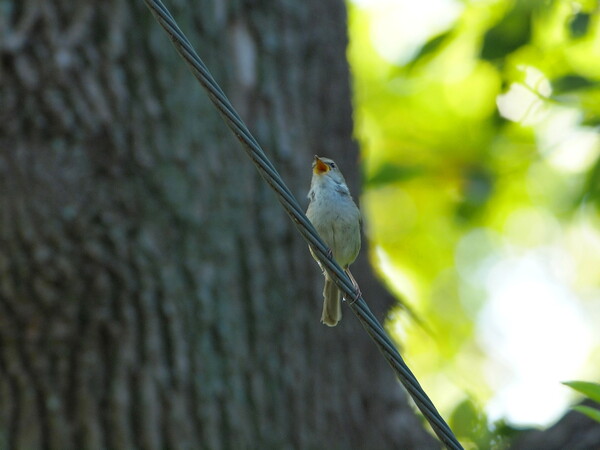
(325,167)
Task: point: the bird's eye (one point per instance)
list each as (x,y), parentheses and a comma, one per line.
(332,165)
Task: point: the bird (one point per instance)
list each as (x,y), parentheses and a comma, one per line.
(337,219)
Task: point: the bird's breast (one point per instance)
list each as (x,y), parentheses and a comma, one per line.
(337,220)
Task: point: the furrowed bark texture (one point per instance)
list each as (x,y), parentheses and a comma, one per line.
(153,294)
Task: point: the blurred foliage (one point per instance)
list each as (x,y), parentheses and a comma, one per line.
(469,423)
(591,391)
(481,143)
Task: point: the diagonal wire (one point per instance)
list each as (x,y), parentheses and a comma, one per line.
(304,226)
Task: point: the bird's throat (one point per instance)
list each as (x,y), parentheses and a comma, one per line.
(320,167)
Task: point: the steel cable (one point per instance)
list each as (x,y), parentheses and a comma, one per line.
(292,207)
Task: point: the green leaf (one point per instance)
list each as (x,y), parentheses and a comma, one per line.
(592,413)
(430,46)
(591,390)
(512,32)
(508,431)
(390,173)
(477,188)
(570,83)
(580,24)
(467,420)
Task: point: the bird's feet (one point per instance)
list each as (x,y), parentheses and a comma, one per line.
(357,294)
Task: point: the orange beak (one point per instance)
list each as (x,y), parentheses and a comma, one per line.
(319,167)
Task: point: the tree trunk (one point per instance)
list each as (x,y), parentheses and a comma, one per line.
(153,294)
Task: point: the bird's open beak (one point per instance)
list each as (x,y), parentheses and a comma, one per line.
(319,167)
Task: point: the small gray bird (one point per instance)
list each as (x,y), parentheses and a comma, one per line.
(337,220)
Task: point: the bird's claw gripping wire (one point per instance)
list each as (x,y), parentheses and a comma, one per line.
(357,293)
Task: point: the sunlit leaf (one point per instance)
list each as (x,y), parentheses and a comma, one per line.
(431,46)
(591,390)
(465,418)
(592,413)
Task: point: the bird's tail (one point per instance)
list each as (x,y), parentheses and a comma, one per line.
(332,307)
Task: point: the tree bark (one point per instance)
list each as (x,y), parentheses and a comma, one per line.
(153,294)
